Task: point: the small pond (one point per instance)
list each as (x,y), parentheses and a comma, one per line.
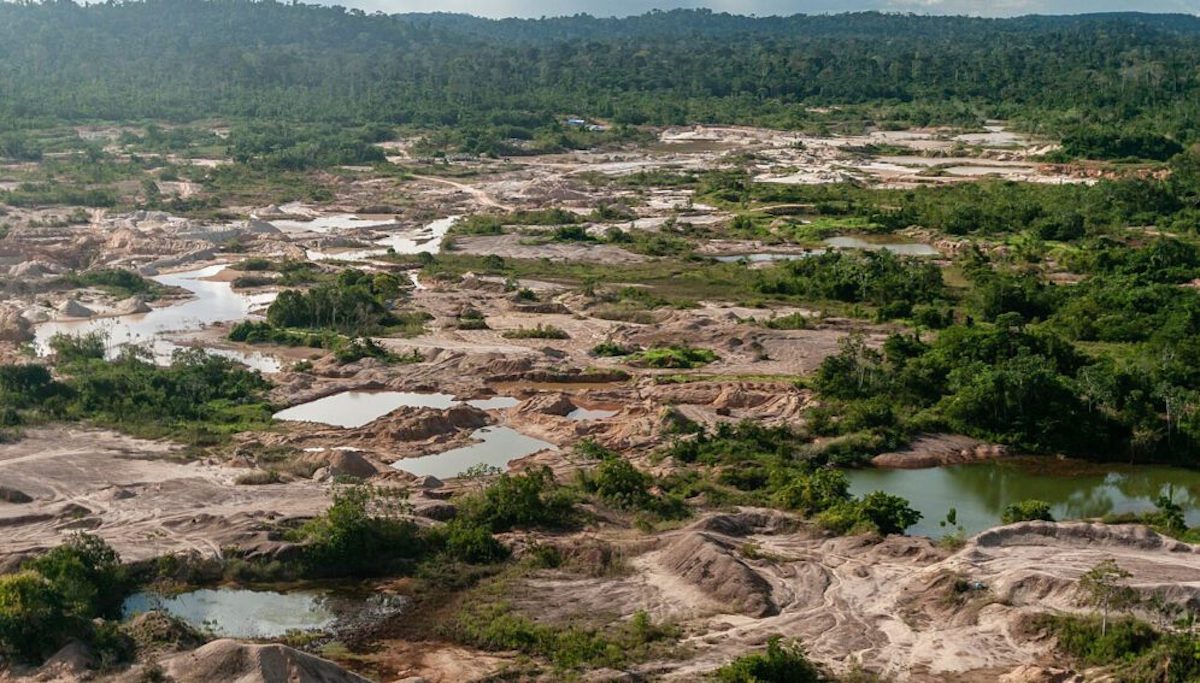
(496,448)
(884,244)
(1076,490)
(356,408)
(242,613)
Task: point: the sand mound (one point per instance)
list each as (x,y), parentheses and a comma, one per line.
(131,306)
(709,564)
(228,661)
(73,309)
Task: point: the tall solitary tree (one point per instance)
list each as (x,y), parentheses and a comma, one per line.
(1103,588)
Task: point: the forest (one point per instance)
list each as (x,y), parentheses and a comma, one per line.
(1074,76)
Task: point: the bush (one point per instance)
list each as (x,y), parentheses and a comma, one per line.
(362,533)
(780,663)
(792,321)
(610,349)
(621,484)
(529,499)
(541,331)
(880,512)
(87,573)
(674,357)
(1026,511)
(33,617)
(474,543)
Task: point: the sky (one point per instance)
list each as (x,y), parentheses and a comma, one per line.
(1000,8)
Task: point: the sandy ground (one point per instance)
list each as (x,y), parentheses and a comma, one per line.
(136,494)
(887,605)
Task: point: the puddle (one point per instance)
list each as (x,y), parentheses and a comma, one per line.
(211,302)
(241,613)
(427,238)
(582,414)
(357,408)
(498,446)
(764,257)
(869,244)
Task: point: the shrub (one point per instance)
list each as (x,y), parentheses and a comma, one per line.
(780,663)
(792,321)
(609,348)
(674,357)
(33,616)
(87,573)
(1025,511)
(362,533)
(472,542)
(529,499)
(541,331)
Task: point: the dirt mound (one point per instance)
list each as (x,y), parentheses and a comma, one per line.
(742,523)
(1080,535)
(426,423)
(14,327)
(131,306)
(709,564)
(546,404)
(343,462)
(73,309)
(160,632)
(935,450)
(228,661)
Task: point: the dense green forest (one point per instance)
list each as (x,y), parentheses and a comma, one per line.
(186,59)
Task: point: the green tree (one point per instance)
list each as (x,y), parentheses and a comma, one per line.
(1027,510)
(1103,588)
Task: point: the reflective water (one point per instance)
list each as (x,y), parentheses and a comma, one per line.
(332,223)
(357,408)
(497,447)
(212,302)
(588,414)
(1076,490)
(885,244)
(427,239)
(241,613)
(763,257)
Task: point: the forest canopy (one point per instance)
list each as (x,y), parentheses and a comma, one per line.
(185,60)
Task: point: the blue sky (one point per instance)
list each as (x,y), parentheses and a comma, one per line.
(536,8)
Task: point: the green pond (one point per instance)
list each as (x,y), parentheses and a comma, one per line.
(1076,490)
